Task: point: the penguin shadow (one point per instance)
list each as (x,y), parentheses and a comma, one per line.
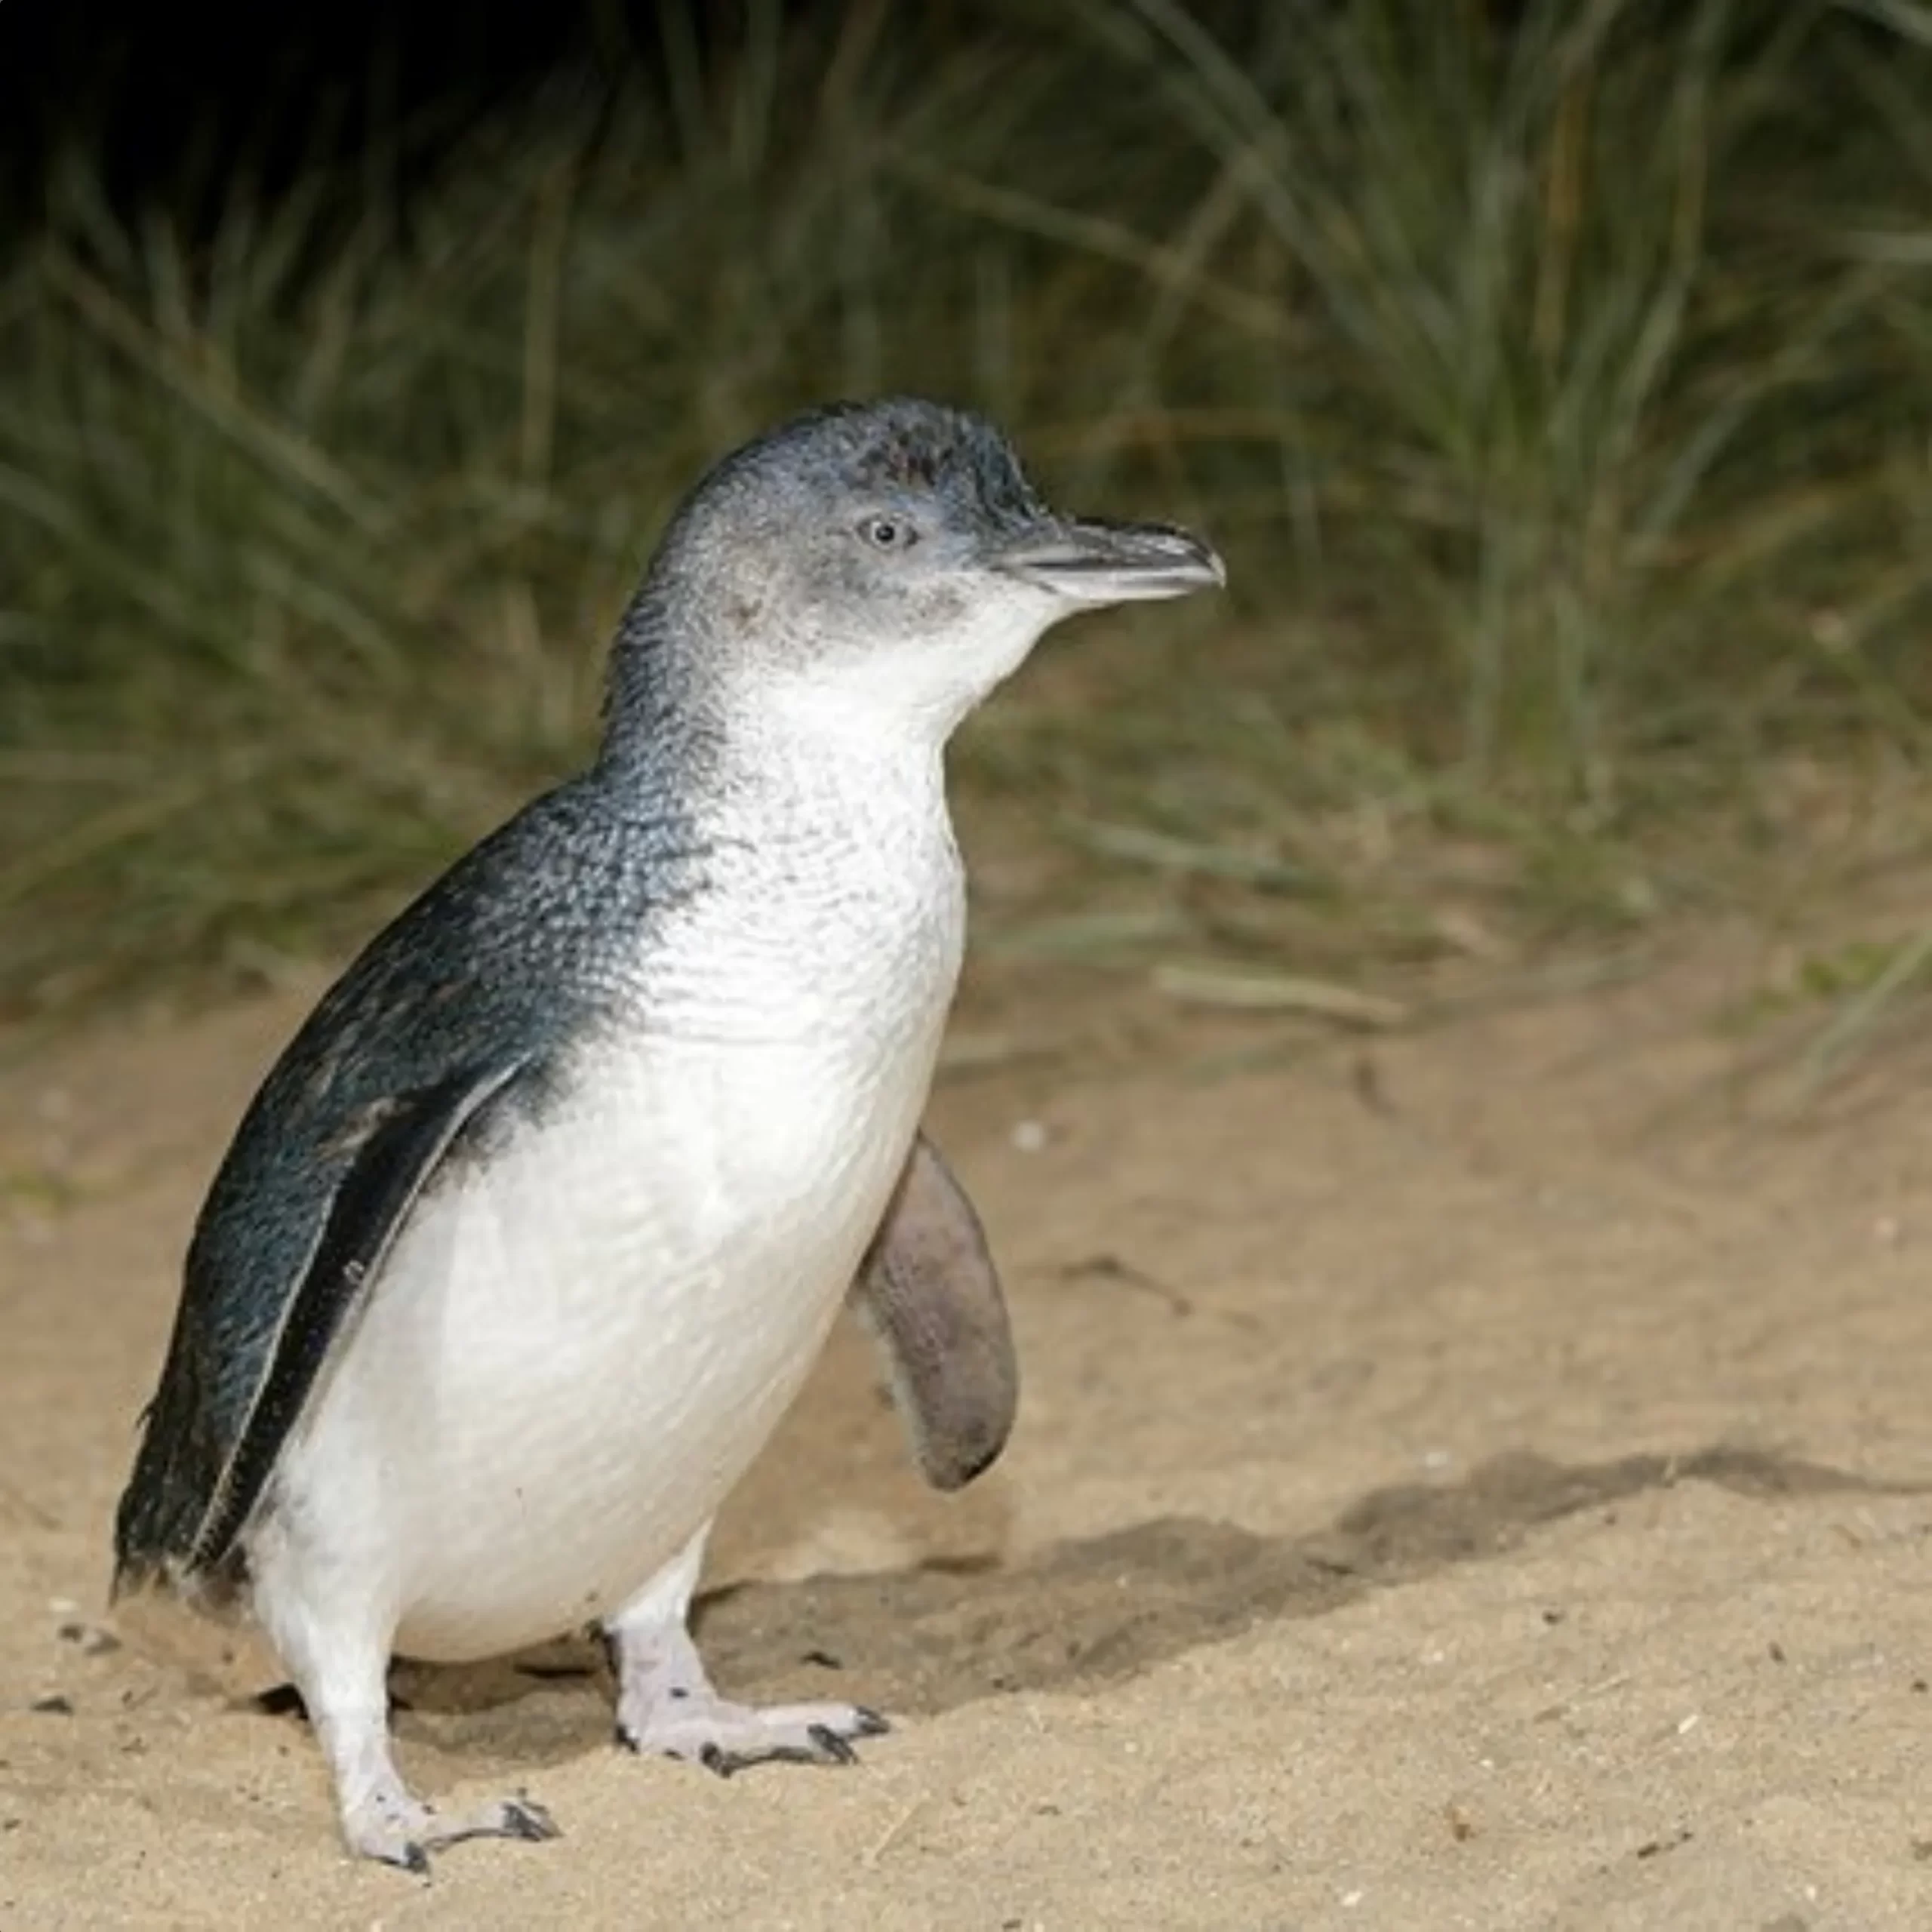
(1096,1610)
(1080,1614)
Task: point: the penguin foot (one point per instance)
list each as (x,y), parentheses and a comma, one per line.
(726,1737)
(397,1829)
(666,1707)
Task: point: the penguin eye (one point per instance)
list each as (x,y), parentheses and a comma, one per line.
(888,532)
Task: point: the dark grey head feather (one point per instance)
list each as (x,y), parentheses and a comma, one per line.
(765,553)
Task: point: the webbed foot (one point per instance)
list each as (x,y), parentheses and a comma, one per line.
(701,1729)
(666,1707)
(397,1829)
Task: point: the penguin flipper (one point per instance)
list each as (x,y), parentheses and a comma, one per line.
(400,1142)
(930,1294)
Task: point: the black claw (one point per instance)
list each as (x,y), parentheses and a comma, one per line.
(726,1763)
(627,1741)
(871,1724)
(525,1818)
(827,1747)
(410,1858)
(517,1818)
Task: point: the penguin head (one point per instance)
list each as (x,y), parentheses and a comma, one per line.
(890,557)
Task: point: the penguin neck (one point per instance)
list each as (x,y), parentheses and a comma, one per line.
(794,759)
(829,895)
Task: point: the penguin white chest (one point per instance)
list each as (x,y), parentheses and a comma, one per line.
(580,1344)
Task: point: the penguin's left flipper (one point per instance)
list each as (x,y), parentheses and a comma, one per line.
(401,1142)
(930,1294)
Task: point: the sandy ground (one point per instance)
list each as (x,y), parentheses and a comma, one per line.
(1470,1480)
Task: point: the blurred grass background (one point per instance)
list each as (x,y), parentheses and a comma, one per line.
(1557,378)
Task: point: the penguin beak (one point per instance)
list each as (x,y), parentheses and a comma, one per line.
(1094,563)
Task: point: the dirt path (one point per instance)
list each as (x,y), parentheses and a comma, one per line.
(1472,1482)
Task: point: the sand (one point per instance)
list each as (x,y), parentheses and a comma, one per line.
(1475,1479)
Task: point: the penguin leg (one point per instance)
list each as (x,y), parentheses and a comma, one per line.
(334,1642)
(666,1707)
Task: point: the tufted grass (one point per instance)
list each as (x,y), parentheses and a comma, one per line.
(1561,396)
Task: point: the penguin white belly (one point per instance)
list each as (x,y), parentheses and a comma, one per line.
(579,1343)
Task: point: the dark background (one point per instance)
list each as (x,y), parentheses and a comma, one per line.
(174,100)
(171,99)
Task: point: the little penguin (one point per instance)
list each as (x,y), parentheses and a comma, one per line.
(532,1234)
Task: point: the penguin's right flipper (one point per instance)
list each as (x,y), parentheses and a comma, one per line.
(930,1294)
